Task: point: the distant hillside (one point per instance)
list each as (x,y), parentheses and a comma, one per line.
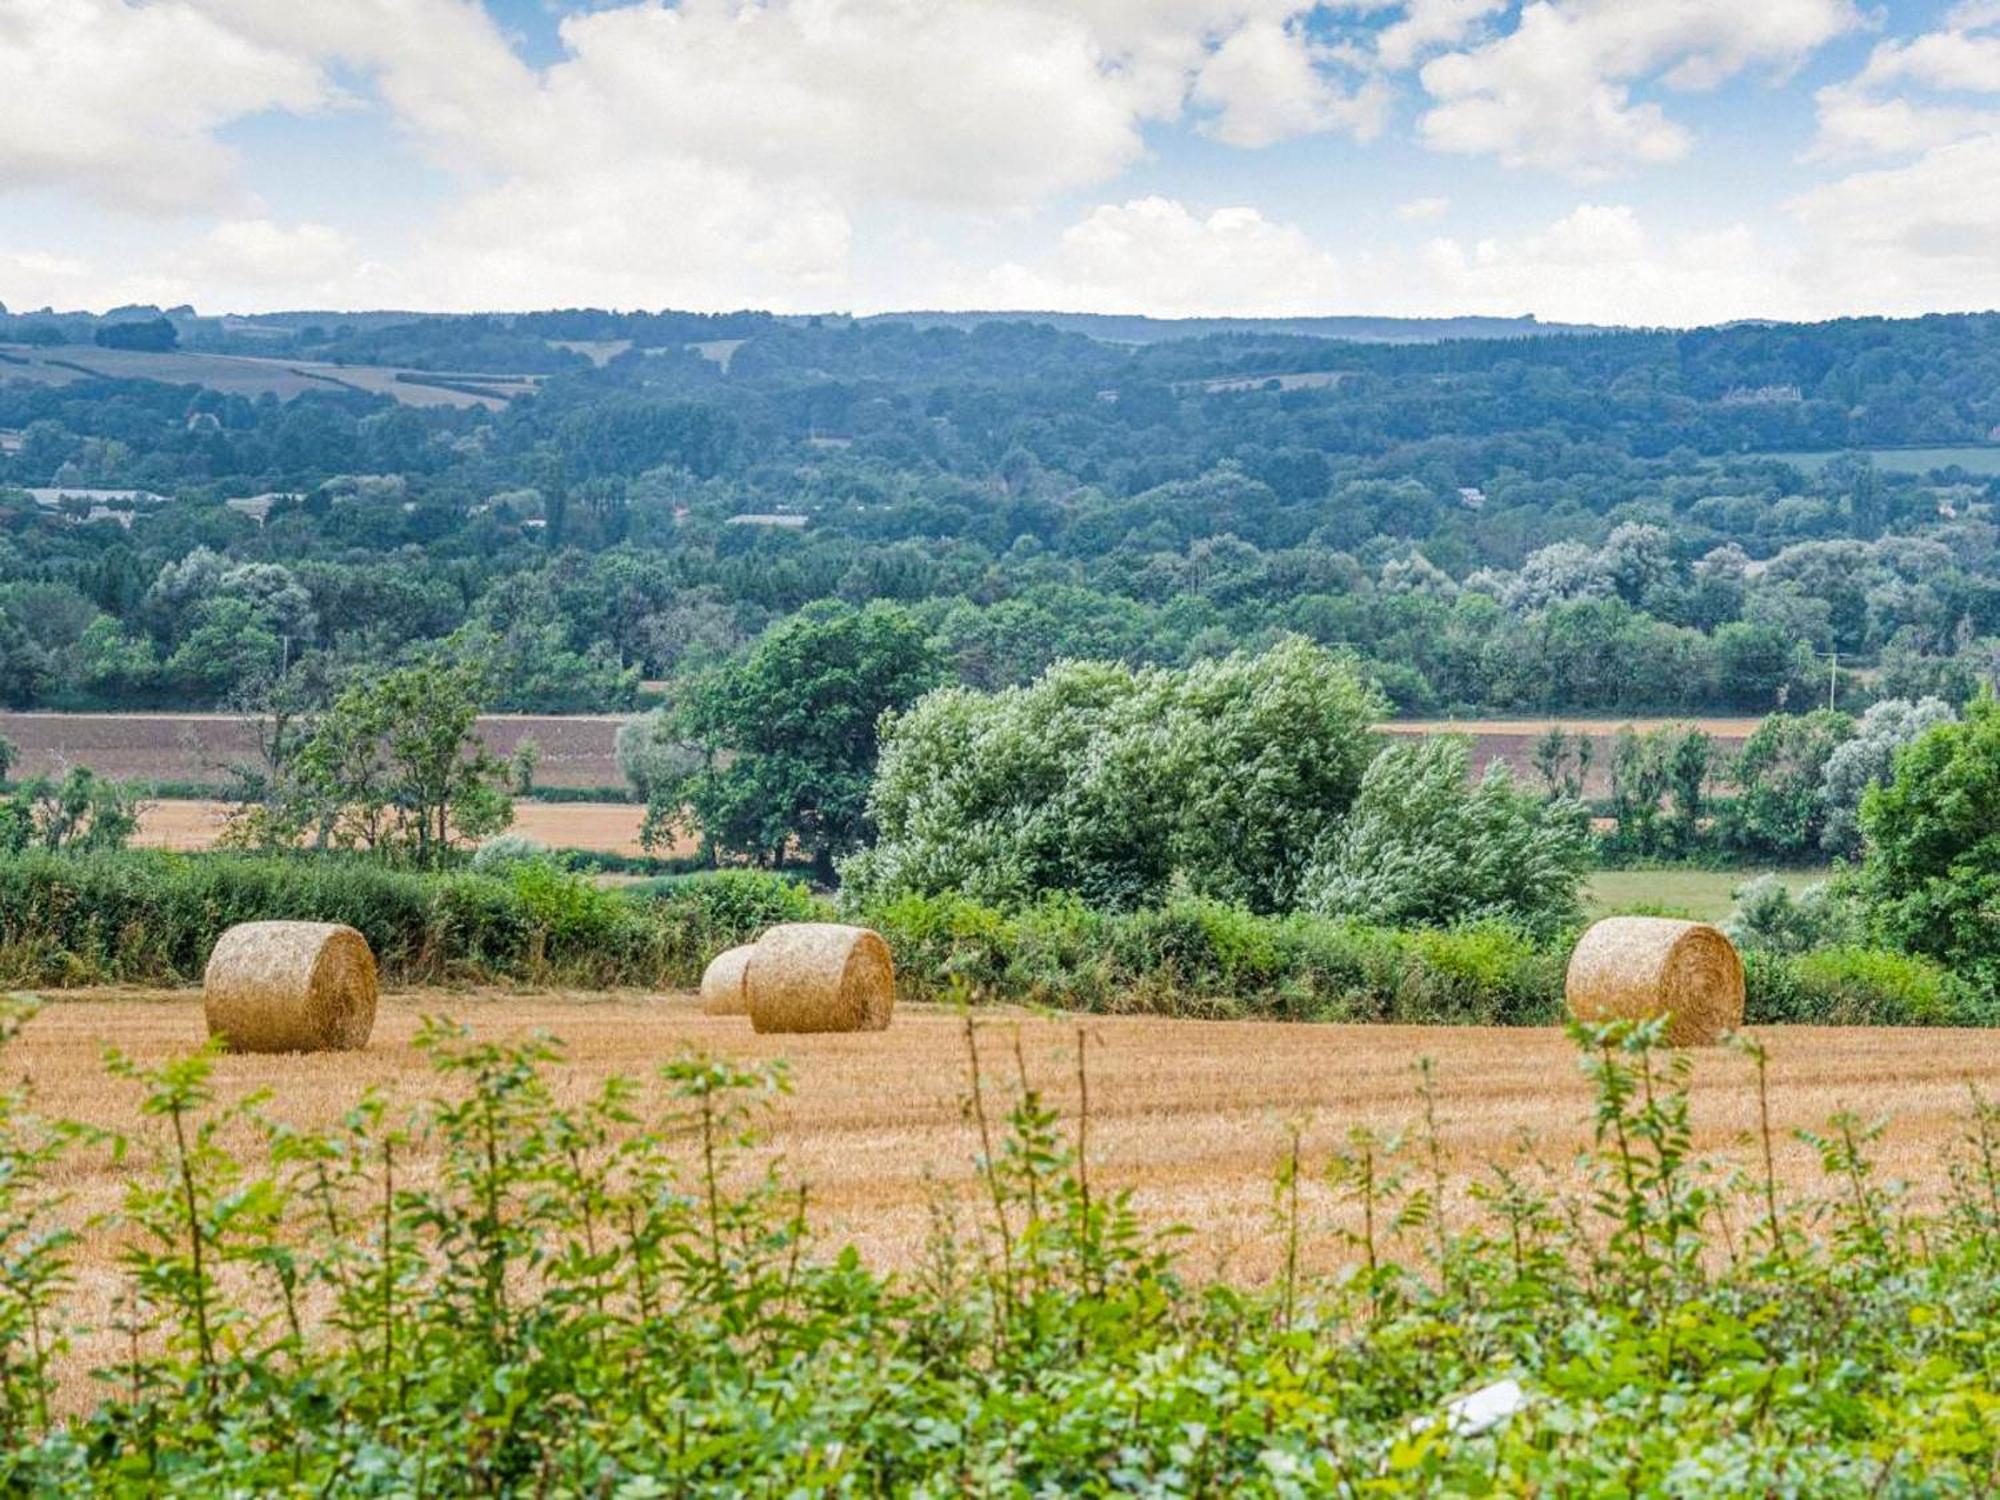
(1121,329)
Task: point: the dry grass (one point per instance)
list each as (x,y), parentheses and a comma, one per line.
(1190,1115)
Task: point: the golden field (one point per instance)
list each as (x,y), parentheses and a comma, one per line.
(1190,1115)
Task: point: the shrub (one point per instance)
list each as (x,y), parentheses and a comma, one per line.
(1769,918)
(1424,848)
(1861,987)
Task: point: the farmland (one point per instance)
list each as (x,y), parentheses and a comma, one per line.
(1983,459)
(598,827)
(250,375)
(579,751)
(1191,1116)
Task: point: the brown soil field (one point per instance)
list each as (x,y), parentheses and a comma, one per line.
(578,750)
(1191,1117)
(1512,741)
(601,827)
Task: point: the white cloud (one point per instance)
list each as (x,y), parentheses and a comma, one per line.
(1416,210)
(1426,25)
(1155,255)
(1921,233)
(1597,264)
(123,102)
(1268,83)
(1557,91)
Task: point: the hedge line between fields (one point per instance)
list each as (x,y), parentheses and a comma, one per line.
(151,918)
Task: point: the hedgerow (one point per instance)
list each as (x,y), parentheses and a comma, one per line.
(152,918)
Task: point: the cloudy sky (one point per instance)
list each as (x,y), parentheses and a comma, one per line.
(1666,161)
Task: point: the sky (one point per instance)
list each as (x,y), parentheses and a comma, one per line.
(1624,161)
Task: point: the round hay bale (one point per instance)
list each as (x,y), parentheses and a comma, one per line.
(1635,968)
(290,987)
(722,991)
(820,976)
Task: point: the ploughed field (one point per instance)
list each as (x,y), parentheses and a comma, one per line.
(580,750)
(1191,1116)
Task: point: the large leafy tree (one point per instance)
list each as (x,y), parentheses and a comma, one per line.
(787,734)
(1110,782)
(1932,871)
(1780,773)
(396,765)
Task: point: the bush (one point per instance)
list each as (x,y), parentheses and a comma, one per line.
(1861,987)
(1768,918)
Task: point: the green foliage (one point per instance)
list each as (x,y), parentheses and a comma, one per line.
(1423,847)
(83,813)
(1770,918)
(1932,871)
(1113,783)
(1855,986)
(607,1295)
(1780,808)
(1197,957)
(152,918)
(394,765)
(788,734)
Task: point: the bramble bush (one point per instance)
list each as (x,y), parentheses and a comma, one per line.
(606,1297)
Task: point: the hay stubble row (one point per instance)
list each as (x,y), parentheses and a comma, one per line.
(1190,1115)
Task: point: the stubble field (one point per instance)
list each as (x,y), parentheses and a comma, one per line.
(1192,1117)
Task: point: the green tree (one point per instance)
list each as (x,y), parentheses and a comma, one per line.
(1931,876)
(1109,782)
(1426,846)
(787,734)
(396,765)
(1780,774)
(82,813)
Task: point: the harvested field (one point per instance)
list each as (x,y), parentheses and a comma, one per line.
(1191,1116)
(578,750)
(600,827)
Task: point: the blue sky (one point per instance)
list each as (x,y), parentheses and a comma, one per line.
(1655,161)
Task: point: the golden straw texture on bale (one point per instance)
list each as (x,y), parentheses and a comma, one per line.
(722,992)
(820,976)
(290,987)
(1635,968)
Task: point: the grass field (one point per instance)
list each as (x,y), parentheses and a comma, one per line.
(242,375)
(1706,895)
(1974,460)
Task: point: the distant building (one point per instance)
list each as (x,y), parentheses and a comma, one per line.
(793,523)
(11,441)
(1472,497)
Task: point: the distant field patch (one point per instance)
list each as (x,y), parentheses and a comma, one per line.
(596,827)
(245,375)
(1705,895)
(1974,460)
